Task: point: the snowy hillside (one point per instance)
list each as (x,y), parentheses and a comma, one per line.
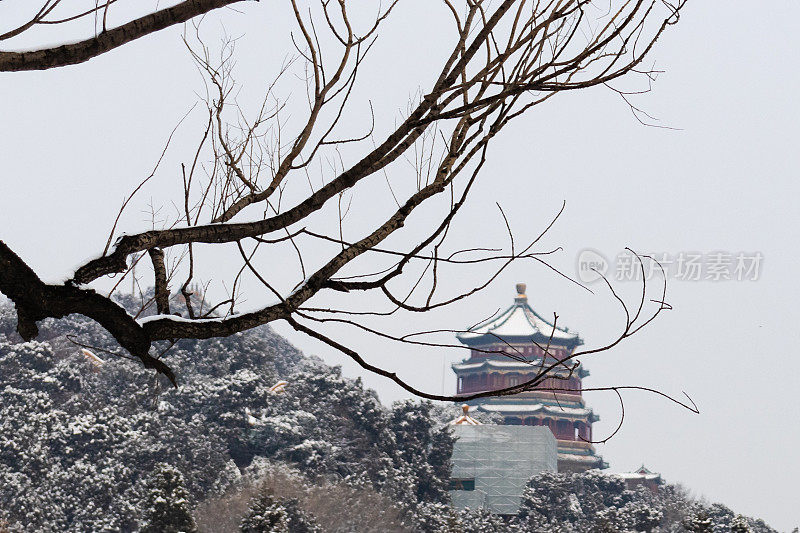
(90,441)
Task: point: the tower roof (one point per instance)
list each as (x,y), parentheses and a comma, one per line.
(471,365)
(541,409)
(519,323)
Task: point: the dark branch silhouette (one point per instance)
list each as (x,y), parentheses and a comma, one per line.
(105,41)
(506,57)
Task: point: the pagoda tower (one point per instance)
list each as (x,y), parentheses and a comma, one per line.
(507,350)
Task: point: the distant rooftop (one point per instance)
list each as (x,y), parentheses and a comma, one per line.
(519,323)
(640,473)
(465,418)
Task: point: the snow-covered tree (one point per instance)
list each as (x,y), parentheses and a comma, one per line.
(270,514)
(265,515)
(739,525)
(424,447)
(699,521)
(640,516)
(599,503)
(168,509)
(483,521)
(70,427)
(573,498)
(437,517)
(77,440)
(299,520)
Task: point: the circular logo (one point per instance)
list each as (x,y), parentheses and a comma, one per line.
(591,266)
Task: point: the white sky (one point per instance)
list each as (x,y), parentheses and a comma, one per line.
(74,141)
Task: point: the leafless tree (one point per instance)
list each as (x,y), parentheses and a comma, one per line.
(506,57)
(335,506)
(52,12)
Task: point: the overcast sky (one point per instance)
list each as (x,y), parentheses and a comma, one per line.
(74,141)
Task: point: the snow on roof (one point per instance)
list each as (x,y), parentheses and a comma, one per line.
(465,419)
(640,473)
(494,363)
(583,458)
(519,321)
(522,366)
(636,475)
(535,408)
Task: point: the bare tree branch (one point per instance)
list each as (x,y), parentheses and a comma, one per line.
(74,53)
(160,274)
(507,57)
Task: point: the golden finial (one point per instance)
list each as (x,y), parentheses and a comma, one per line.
(521,291)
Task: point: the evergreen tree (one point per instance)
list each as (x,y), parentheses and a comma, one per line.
(437,518)
(269,514)
(76,436)
(299,520)
(483,521)
(739,525)
(423,448)
(265,515)
(168,509)
(573,498)
(441,450)
(699,521)
(640,516)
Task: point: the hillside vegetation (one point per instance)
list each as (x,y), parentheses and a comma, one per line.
(89,446)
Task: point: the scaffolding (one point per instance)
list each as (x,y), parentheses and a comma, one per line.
(493,463)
